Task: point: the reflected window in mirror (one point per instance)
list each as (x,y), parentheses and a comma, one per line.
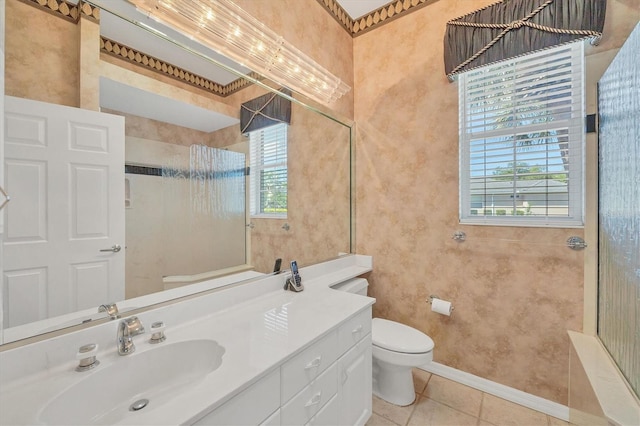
(268,172)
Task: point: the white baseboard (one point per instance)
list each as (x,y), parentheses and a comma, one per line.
(505,392)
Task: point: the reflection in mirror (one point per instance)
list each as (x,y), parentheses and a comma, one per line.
(184,181)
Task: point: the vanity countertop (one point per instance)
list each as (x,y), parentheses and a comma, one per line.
(257,335)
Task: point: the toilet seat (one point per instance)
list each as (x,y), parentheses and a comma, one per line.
(396,337)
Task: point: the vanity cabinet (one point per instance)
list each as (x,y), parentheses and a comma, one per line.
(327,383)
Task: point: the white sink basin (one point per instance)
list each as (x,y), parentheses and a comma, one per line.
(105,395)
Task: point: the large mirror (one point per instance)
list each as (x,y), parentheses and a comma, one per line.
(191,208)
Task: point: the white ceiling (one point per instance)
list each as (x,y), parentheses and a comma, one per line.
(358,8)
(120,97)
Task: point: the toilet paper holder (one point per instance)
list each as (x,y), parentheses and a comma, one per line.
(433,296)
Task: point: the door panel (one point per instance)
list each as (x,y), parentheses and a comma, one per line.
(89,283)
(28,217)
(65,172)
(25,293)
(89,198)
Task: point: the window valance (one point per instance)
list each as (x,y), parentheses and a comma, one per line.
(265,111)
(511,28)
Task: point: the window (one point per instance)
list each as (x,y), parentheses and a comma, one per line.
(268,171)
(522,140)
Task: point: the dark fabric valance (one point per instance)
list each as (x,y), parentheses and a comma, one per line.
(265,111)
(511,28)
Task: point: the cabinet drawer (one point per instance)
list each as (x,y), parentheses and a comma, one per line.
(354,329)
(328,415)
(250,407)
(306,366)
(308,402)
(273,420)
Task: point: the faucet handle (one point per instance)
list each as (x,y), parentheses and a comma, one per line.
(134,326)
(157,330)
(127,328)
(111,309)
(87,357)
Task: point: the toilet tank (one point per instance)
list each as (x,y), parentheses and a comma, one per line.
(355,285)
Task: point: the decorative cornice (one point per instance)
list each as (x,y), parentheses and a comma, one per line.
(141,59)
(69,11)
(355,27)
(88,11)
(73,12)
(393,10)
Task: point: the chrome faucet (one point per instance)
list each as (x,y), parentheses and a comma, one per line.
(127,328)
(111,309)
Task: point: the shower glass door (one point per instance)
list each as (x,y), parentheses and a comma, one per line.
(619,210)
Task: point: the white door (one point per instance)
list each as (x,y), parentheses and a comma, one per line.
(64,169)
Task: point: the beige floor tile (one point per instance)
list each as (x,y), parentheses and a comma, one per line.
(420,379)
(431,413)
(455,395)
(503,413)
(376,420)
(392,412)
(554,421)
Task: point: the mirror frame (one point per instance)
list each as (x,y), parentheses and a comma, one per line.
(306,103)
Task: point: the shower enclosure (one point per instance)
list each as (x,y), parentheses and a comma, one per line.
(197,197)
(619,210)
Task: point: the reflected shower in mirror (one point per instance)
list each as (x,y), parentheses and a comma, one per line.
(186,190)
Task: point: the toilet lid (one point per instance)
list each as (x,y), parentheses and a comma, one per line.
(398,337)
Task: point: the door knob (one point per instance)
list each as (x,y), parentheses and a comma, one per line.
(114,248)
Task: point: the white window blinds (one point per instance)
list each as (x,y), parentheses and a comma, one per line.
(521,140)
(268,171)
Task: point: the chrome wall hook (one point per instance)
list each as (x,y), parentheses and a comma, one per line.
(459,236)
(576,243)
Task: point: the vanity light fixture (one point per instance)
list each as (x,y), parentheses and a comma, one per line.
(226,28)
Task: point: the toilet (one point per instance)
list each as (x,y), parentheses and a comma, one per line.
(397,348)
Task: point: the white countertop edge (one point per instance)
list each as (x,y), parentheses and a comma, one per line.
(618,404)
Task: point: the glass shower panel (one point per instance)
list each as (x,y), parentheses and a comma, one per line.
(204,212)
(619,210)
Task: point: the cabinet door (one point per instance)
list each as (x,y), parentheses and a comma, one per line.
(252,406)
(354,384)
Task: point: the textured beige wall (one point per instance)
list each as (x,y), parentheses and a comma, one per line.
(43,68)
(513,301)
(146,128)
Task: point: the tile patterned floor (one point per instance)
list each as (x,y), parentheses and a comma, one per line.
(440,401)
